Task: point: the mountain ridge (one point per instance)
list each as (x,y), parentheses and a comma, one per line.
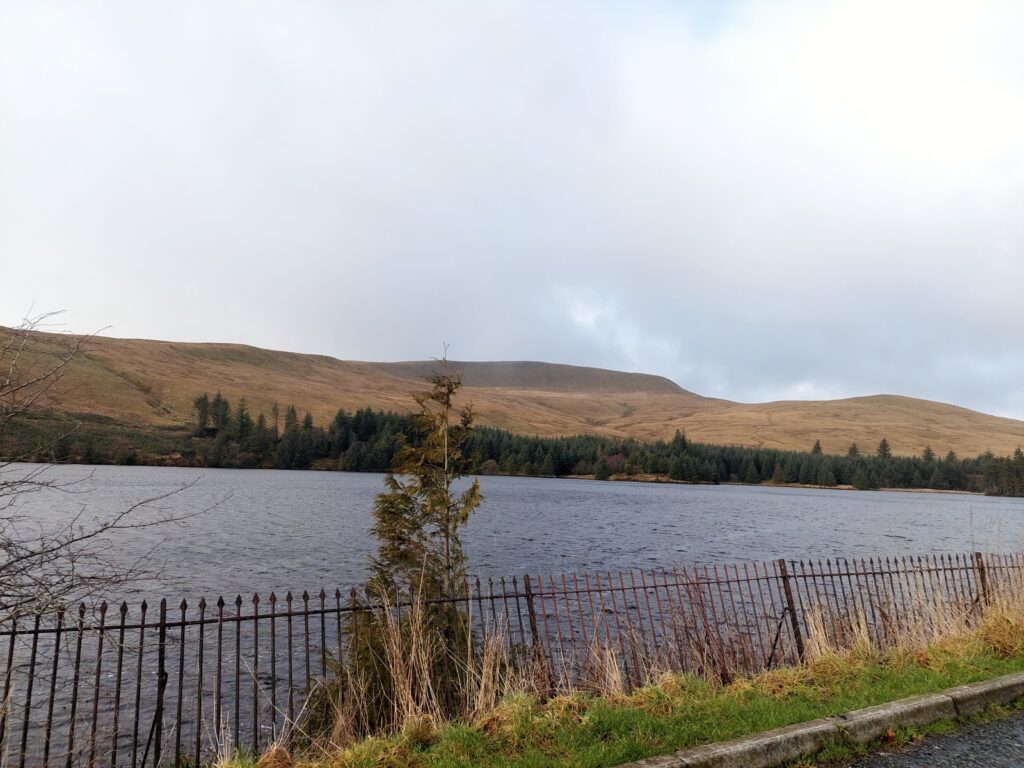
(152,383)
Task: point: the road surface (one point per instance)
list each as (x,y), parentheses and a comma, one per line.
(994,745)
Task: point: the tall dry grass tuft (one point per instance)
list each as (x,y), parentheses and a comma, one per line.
(602,671)
(491,677)
(1001,625)
(409,653)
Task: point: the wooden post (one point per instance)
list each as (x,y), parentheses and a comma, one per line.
(791,607)
(979,566)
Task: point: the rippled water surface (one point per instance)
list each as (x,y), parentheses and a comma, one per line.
(277,530)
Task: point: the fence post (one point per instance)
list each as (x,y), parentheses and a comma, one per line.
(979,566)
(791,607)
(531,611)
(161,687)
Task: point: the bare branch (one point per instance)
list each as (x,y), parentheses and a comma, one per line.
(42,566)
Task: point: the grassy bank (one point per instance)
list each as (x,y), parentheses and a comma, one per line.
(674,711)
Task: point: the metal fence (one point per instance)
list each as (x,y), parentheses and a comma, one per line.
(107,686)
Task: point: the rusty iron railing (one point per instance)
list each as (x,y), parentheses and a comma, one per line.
(136,687)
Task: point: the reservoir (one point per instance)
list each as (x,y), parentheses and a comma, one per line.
(263,530)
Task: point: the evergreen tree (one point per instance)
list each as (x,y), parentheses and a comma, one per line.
(884,451)
(678,442)
(220,412)
(418,518)
(201,405)
(816,449)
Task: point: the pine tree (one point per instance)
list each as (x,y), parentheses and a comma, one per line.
(418,518)
(853,451)
(678,442)
(884,451)
(202,408)
(816,450)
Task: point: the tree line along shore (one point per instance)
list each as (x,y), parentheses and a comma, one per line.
(366,440)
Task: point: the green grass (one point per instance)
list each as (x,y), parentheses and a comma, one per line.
(680,712)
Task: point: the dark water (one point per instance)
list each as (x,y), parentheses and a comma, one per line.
(277,530)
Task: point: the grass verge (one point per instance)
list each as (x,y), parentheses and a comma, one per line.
(674,713)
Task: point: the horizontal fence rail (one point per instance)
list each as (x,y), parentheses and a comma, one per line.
(173,684)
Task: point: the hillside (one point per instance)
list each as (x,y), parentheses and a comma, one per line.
(153,383)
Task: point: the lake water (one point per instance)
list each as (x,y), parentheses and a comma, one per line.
(278,530)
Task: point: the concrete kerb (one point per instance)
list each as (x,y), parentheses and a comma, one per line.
(779,746)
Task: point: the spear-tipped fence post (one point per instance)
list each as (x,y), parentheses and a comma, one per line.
(791,607)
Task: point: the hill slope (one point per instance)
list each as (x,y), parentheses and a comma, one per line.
(153,383)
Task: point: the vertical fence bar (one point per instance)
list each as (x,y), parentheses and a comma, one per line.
(519,611)
(337,630)
(618,624)
(480,611)
(636,636)
(256,672)
(291,696)
(74,684)
(117,684)
(546,637)
(882,615)
(601,607)
(273,665)
(724,671)
(198,753)
(158,719)
(583,617)
(731,625)
(5,704)
(757,625)
(558,621)
(490,597)
(53,683)
(685,593)
(305,619)
(138,683)
(774,638)
(238,670)
(534,631)
(323,634)
(674,618)
(181,687)
(96,684)
(508,613)
(28,691)
(218,677)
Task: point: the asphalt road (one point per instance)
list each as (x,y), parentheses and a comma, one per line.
(995,745)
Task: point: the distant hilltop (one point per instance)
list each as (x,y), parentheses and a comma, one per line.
(526,374)
(153,383)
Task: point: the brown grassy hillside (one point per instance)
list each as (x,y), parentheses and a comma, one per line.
(153,383)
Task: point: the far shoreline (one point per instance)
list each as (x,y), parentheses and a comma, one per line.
(615,478)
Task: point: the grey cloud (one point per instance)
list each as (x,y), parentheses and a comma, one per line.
(775,200)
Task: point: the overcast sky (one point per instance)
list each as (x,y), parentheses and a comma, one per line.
(759,200)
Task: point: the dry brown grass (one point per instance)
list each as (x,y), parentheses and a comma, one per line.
(512,709)
(154,383)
